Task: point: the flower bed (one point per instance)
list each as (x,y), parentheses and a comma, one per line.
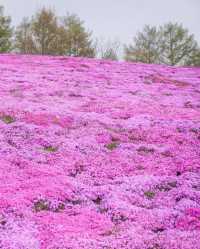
(98,155)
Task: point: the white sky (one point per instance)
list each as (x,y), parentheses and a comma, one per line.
(115,18)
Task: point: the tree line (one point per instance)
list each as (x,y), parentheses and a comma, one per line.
(47,34)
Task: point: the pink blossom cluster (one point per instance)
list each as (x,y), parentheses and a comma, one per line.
(96,154)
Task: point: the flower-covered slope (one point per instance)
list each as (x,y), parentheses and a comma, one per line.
(98,155)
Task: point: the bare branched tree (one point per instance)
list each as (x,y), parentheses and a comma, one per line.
(109,49)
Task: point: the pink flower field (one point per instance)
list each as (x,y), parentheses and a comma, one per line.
(97,154)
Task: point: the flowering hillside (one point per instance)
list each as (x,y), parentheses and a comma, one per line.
(98,154)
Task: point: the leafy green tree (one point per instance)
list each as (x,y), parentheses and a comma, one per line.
(169,44)
(145,47)
(23,38)
(78,41)
(44,27)
(40,35)
(194,59)
(45,33)
(5,32)
(177,45)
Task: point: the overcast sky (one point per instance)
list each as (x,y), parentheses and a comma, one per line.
(115,18)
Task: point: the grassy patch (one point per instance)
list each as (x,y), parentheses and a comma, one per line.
(41,205)
(44,205)
(7,119)
(149,194)
(50,149)
(112,146)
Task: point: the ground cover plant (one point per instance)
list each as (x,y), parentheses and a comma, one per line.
(97,154)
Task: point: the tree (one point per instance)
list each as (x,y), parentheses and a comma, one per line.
(78,41)
(108,49)
(145,47)
(171,44)
(44,30)
(23,38)
(40,35)
(194,59)
(177,44)
(5,32)
(45,33)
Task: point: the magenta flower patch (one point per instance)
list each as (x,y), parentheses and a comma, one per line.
(97,154)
